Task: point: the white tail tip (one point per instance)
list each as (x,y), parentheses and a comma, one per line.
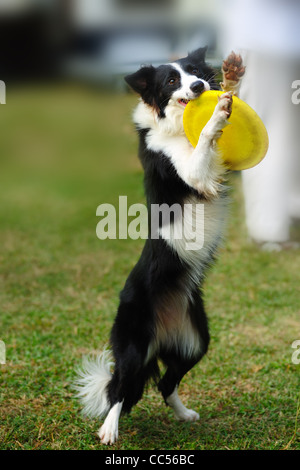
(91,384)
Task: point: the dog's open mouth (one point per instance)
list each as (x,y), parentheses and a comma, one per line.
(183,102)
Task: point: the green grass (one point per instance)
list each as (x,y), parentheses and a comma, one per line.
(63,151)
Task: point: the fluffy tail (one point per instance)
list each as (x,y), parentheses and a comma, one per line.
(91,385)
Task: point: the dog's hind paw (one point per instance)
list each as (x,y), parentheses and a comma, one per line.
(109,431)
(181,412)
(187,415)
(108,434)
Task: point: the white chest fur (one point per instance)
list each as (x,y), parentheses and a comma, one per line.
(198,233)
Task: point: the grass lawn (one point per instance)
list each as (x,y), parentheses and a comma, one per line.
(63,151)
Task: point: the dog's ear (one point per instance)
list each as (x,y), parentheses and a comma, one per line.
(142,82)
(198,55)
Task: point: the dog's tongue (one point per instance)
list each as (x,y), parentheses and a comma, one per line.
(183,102)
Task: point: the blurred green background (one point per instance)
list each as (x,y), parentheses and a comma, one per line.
(64,150)
(66,146)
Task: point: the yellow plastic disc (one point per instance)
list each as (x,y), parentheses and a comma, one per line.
(244,142)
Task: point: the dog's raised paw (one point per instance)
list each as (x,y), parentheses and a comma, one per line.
(225,104)
(233,68)
(222,111)
(213,129)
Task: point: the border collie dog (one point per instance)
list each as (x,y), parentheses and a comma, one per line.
(161,313)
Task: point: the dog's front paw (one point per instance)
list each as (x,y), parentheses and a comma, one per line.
(213,129)
(233,70)
(223,109)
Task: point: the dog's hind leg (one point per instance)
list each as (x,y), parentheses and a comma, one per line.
(109,431)
(124,387)
(124,390)
(179,363)
(181,412)
(168,386)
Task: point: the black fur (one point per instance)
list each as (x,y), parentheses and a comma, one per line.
(159,273)
(153,84)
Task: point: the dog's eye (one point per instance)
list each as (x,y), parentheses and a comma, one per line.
(195,71)
(172,81)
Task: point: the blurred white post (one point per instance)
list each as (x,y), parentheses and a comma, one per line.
(267,34)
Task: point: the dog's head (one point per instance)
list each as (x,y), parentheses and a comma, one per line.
(173,84)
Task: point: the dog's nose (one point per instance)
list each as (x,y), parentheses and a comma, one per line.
(197,87)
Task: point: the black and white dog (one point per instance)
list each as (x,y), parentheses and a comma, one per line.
(161,313)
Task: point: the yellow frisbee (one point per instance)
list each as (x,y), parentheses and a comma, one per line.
(244,142)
